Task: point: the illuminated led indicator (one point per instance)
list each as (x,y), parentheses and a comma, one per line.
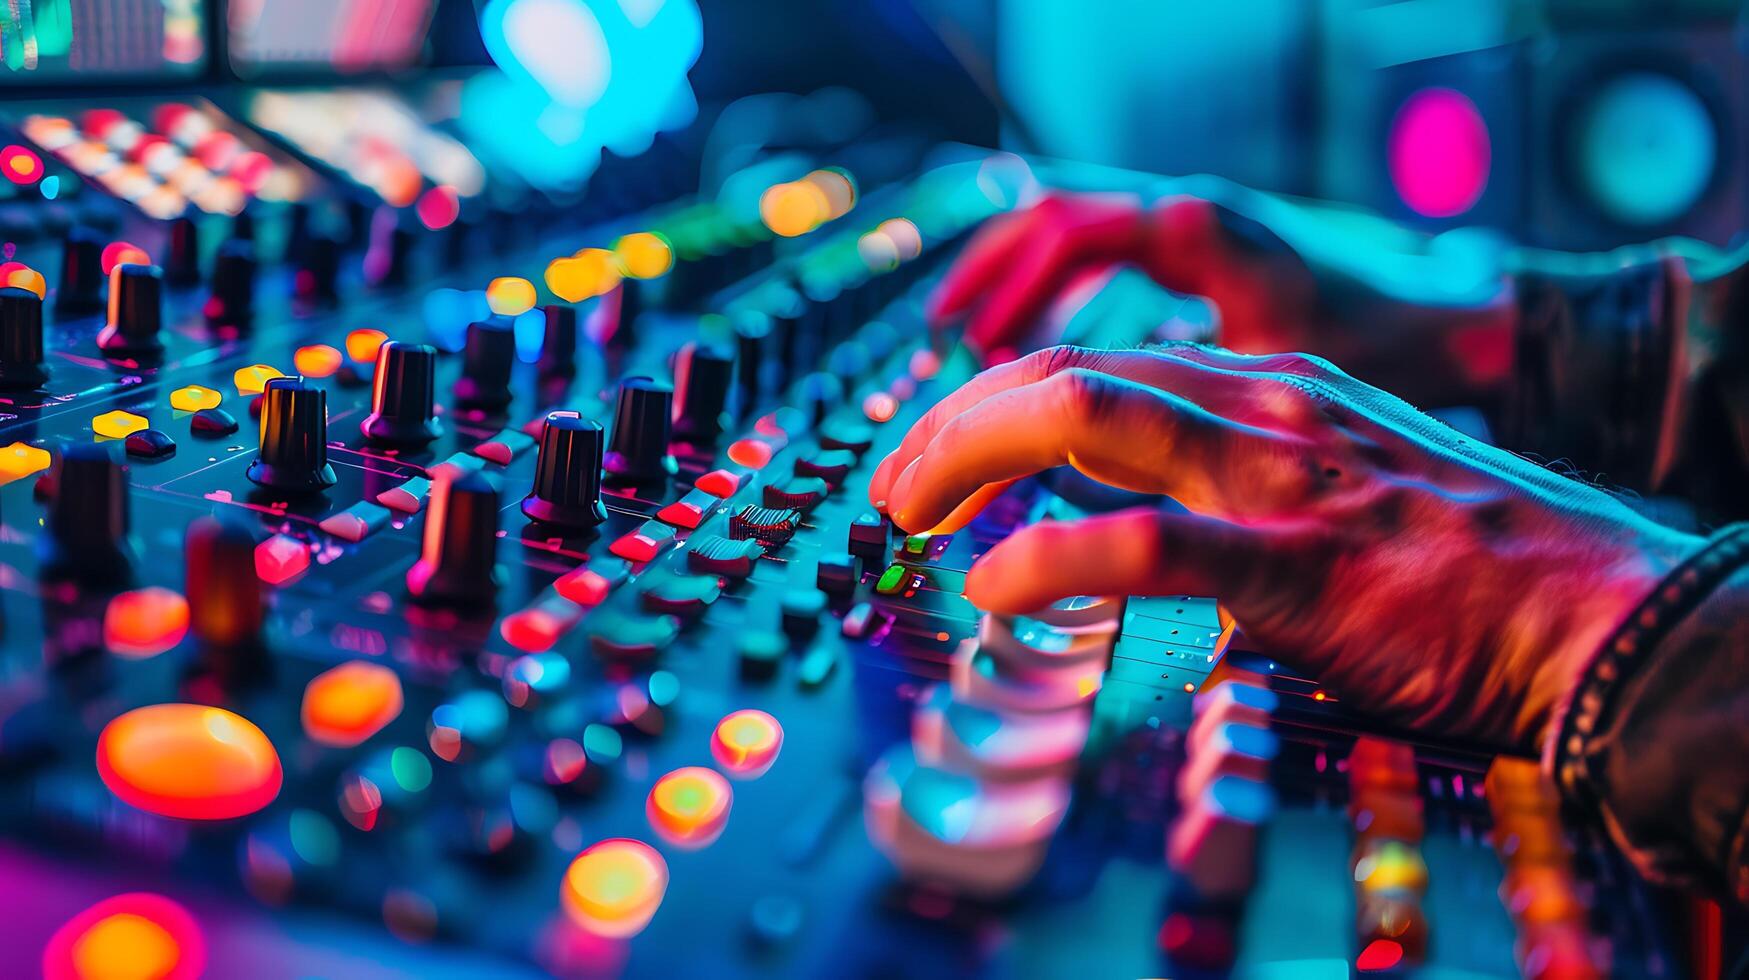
(510,296)
(880,407)
(614,888)
(135,936)
(347,704)
(316,360)
(644,255)
(751,453)
(838,189)
(1380,954)
(117,424)
(690,807)
(123,253)
(144,622)
(20,460)
(190,761)
(280,559)
(438,207)
(584,586)
(362,345)
(892,580)
(193,398)
(903,234)
(1439,153)
(591,272)
(746,743)
(252,380)
(877,251)
(924,364)
(634,546)
(20,165)
(719,483)
(794,209)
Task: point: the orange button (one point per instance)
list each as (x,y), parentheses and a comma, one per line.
(20,460)
(136,935)
(746,743)
(350,703)
(362,344)
(144,622)
(614,888)
(316,360)
(690,807)
(188,760)
(252,380)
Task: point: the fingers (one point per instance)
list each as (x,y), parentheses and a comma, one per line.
(1144,551)
(990,251)
(1031,368)
(1122,433)
(1232,397)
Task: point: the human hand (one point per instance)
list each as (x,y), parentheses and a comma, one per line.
(1018,263)
(1420,575)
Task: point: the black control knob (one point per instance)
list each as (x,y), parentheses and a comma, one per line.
(232,303)
(460,547)
(567,474)
(86,539)
(81,289)
(702,378)
(630,293)
(136,310)
(294,438)
(637,451)
(752,350)
(222,587)
(403,409)
(318,277)
(558,349)
(182,268)
(488,355)
(21,340)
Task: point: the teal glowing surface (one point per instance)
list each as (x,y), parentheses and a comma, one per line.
(1645,148)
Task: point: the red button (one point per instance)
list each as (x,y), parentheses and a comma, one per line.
(720,483)
(584,586)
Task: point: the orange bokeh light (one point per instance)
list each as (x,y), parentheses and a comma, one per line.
(614,888)
(136,936)
(189,761)
(746,743)
(347,704)
(690,807)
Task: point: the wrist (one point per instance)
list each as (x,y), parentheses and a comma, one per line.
(1581,622)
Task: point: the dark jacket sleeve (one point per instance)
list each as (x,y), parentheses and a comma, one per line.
(1658,743)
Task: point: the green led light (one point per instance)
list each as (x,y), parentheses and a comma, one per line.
(916,543)
(892,580)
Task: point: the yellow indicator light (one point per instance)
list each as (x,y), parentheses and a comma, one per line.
(252,380)
(746,743)
(644,255)
(20,460)
(794,209)
(362,344)
(510,296)
(316,361)
(690,807)
(193,398)
(591,272)
(614,888)
(117,424)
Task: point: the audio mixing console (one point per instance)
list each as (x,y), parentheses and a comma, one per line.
(565,633)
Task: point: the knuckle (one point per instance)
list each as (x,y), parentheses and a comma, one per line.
(1085,396)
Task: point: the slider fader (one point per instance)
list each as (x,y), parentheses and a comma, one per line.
(533,609)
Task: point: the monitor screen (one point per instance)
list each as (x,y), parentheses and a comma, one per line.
(343,35)
(46,42)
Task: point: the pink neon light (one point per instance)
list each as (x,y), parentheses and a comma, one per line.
(1439,153)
